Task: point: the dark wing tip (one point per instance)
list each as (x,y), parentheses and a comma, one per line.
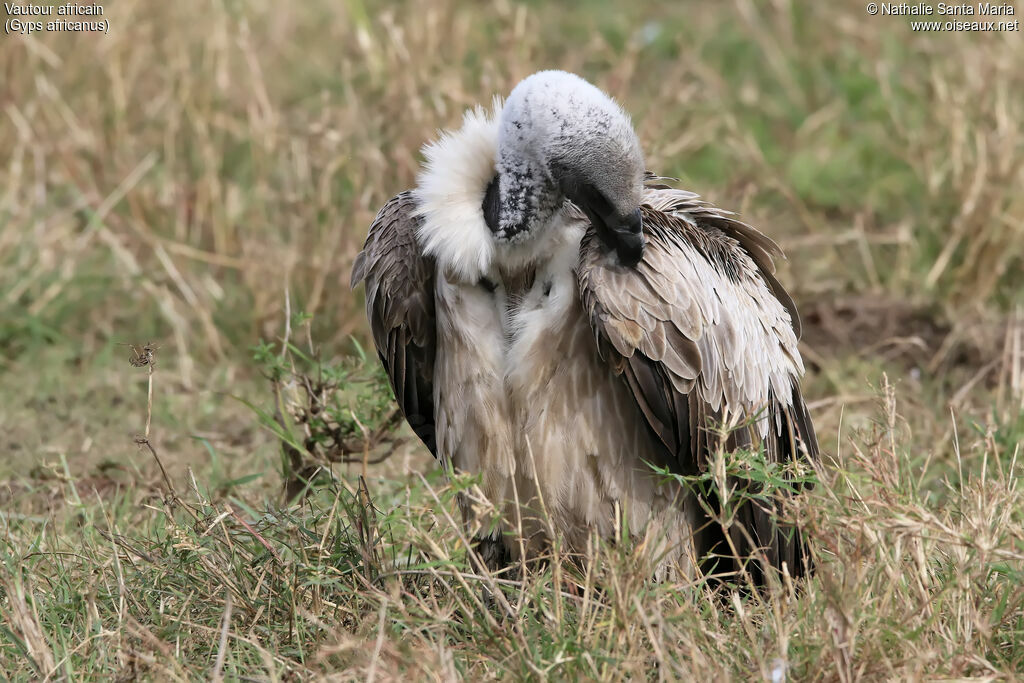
(358,270)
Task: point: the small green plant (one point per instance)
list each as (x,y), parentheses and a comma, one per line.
(732,483)
(324,411)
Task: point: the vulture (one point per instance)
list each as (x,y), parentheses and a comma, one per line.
(559,322)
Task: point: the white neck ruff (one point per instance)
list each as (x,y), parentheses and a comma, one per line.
(450,192)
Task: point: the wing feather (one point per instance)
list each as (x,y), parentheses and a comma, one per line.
(703,333)
(400,307)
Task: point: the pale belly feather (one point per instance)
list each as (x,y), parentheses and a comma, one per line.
(556,437)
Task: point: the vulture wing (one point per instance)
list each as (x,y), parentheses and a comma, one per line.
(400,308)
(705,336)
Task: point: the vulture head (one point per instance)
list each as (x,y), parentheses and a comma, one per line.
(562,138)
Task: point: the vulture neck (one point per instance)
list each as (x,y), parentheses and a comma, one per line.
(516,225)
(465,201)
(527,197)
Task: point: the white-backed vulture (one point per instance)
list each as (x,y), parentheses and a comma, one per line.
(556,321)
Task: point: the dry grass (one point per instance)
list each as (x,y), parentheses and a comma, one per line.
(181,178)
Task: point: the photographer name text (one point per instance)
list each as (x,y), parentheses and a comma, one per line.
(923,9)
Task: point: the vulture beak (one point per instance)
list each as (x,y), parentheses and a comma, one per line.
(622,233)
(627,238)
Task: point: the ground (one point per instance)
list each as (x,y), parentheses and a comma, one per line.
(201,177)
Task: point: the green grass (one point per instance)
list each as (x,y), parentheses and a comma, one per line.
(206,169)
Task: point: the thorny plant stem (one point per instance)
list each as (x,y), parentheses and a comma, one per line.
(144,439)
(149,403)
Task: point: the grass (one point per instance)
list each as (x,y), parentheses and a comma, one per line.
(208,168)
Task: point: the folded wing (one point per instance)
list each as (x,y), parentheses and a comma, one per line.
(705,336)
(400,308)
